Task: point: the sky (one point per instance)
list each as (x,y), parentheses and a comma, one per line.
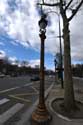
(19,33)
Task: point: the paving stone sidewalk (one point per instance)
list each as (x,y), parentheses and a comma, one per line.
(57,119)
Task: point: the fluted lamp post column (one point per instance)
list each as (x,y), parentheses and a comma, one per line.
(41,116)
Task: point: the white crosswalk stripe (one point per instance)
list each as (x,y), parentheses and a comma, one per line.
(10,112)
(3,101)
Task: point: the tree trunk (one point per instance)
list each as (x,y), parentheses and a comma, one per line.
(69,102)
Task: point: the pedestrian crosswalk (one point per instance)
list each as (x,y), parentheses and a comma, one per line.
(4,100)
(10,112)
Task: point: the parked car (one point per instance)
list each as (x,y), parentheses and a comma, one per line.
(35,78)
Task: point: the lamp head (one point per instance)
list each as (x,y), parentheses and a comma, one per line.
(43,23)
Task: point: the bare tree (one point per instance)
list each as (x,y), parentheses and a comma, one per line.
(64,6)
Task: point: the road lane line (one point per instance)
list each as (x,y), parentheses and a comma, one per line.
(9,113)
(4,100)
(10,89)
(35,89)
(18,98)
(6,90)
(25,94)
(29,84)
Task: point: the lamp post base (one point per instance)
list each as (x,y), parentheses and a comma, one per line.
(41,116)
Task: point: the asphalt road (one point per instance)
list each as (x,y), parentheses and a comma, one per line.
(11,82)
(17,94)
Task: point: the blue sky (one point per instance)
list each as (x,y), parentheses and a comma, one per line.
(22,53)
(19,33)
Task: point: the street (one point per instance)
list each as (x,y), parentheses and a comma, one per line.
(18,94)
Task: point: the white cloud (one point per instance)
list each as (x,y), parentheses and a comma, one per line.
(22,24)
(76,28)
(2,54)
(3,6)
(14,43)
(13,60)
(34,63)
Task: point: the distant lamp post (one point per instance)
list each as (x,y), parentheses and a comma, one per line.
(61,59)
(55,63)
(60,69)
(41,116)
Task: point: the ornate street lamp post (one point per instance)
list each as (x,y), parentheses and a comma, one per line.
(41,116)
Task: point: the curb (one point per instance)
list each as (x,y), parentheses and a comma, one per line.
(61,116)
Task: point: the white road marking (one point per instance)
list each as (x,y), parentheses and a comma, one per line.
(4,100)
(10,89)
(34,89)
(28,84)
(6,90)
(9,113)
(16,97)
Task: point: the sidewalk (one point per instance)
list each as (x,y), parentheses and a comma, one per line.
(57,119)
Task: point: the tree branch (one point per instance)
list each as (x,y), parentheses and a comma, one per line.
(75,11)
(42,1)
(62,9)
(48,4)
(68,5)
